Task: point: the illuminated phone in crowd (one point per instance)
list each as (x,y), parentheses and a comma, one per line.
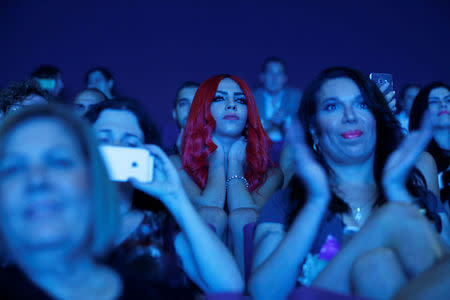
(123,163)
(380,79)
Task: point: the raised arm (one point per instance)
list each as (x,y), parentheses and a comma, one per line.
(203,254)
(214,193)
(238,195)
(278,255)
(409,154)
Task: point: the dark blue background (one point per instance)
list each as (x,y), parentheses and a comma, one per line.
(153,46)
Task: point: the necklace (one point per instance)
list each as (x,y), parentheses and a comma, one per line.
(358,215)
(357,212)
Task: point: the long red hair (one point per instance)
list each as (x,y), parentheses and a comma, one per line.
(197,142)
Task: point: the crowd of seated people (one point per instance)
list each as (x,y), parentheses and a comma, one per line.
(336,192)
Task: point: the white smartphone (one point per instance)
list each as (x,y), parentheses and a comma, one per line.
(125,162)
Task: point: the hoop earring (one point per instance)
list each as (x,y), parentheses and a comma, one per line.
(316,147)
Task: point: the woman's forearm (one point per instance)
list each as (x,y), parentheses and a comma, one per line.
(238,195)
(280,270)
(215,264)
(214,192)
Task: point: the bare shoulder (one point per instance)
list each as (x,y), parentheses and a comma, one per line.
(427,166)
(425,160)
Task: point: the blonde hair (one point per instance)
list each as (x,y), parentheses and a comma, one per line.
(104,195)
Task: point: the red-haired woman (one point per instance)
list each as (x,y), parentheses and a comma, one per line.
(225,165)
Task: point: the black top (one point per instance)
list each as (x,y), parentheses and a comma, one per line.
(15,285)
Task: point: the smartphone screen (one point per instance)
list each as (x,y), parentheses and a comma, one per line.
(123,163)
(380,79)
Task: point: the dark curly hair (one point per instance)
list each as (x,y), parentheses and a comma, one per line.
(389,136)
(16,92)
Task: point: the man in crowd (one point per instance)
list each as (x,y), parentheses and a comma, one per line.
(407,95)
(276,101)
(86,99)
(101,79)
(183,100)
(49,79)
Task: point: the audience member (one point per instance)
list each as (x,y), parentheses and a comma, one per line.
(59,213)
(435,97)
(286,157)
(49,79)
(146,234)
(19,95)
(403,107)
(183,100)
(86,99)
(351,132)
(225,165)
(358,214)
(101,79)
(144,225)
(276,102)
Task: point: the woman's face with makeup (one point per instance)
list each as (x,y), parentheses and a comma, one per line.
(229,109)
(347,128)
(439,106)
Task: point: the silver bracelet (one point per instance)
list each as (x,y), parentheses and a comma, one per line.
(241,178)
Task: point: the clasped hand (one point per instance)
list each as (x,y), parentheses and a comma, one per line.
(236,153)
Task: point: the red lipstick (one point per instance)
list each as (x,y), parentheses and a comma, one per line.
(443,112)
(231,117)
(352,134)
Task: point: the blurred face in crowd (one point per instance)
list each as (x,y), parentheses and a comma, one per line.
(347,128)
(409,96)
(119,128)
(98,81)
(439,106)
(32,99)
(183,104)
(274,77)
(85,100)
(229,109)
(52,85)
(59,85)
(45,192)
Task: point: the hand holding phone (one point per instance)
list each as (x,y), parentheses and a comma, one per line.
(166,184)
(386,85)
(383,80)
(123,163)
